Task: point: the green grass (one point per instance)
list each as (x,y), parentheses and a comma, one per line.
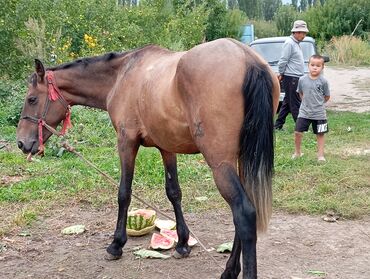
(342,184)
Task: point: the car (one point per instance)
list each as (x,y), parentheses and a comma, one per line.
(270,49)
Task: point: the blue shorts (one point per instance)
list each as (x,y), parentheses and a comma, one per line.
(318,126)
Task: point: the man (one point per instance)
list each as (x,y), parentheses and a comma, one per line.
(291,68)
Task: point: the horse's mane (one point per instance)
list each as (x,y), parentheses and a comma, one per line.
(84,62)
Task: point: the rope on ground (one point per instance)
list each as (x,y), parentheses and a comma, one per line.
(71,149)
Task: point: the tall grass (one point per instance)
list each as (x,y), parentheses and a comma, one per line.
(348,50)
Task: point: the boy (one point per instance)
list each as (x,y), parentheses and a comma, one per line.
(313,89)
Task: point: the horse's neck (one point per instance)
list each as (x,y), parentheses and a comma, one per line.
(88,87)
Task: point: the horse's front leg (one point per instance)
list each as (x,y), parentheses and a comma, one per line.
(173,192)
(127,151)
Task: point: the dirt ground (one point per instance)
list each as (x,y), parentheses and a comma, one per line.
(295,247)
(349,88)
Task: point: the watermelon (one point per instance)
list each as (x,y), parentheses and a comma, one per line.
(173,235)
(165,224)
(140,222)
(159,241)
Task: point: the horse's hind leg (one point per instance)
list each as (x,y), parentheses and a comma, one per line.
(233,268)
(244,216)
(173,192)
(127,151)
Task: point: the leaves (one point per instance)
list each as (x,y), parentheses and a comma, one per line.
(316,272)
(225,247)
(144,253)
(76,229)
(201,199)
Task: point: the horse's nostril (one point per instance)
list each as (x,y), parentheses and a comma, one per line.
(20,144)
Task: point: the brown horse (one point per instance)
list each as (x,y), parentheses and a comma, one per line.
(218,98)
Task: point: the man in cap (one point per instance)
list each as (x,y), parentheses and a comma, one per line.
(291,68)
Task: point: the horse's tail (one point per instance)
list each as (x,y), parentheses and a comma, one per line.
(256,155)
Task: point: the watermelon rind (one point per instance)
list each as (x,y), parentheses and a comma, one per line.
(165,224)
(140,219)
(141,232)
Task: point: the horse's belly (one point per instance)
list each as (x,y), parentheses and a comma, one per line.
(164,118)
(171,136)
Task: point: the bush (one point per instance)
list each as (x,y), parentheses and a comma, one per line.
(11,101)
(70,29)
(223,22)
(264,29)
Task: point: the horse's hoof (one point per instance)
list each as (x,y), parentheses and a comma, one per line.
(110,257)
(177,255)
(185,253)
(113,253)
(229,275)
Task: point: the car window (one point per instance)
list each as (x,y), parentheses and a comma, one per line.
(308,50)
(272,51)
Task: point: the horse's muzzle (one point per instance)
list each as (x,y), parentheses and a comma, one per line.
(28,147)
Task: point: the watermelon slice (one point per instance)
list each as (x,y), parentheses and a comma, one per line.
(159,241)
(172,234)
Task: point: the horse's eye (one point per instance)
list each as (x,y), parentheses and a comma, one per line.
(32,100)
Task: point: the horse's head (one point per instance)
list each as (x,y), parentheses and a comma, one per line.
(41,114)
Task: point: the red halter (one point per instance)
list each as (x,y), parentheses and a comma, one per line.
(53,95)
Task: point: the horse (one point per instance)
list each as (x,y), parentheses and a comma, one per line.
(218,99)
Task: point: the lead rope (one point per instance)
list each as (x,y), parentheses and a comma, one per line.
(71,149)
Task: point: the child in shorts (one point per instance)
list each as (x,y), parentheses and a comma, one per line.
(313,89)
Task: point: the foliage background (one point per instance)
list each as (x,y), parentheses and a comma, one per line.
(59,31)
(69,29)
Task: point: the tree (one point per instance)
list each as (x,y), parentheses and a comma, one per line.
(221,21)
(295,4)
(127,2)
(337,18)
(269,8)
(303,5)
(284,18)
(252,8)
(232,4)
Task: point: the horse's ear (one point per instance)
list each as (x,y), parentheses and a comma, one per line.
(40,70)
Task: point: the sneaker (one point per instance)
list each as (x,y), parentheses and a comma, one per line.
(295,156)
(321,159)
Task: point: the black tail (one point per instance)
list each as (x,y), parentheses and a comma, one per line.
(256,157)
